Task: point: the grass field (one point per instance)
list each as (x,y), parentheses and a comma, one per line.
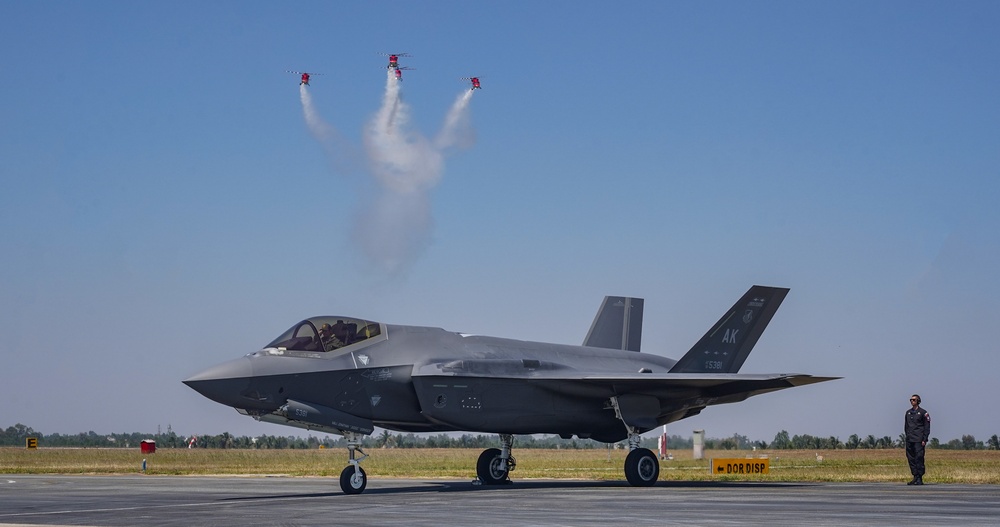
(943,466)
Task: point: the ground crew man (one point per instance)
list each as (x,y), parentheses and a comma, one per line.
(916,428)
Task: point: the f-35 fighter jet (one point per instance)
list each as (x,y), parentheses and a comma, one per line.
(346,376)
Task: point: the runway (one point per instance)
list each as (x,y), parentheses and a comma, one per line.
(239,501)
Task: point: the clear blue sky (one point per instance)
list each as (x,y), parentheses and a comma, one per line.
(164,206)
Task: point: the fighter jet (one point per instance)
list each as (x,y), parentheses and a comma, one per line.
(345,376)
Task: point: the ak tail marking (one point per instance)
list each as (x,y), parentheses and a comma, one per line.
(726,346)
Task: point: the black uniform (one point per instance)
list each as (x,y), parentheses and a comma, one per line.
(917,428)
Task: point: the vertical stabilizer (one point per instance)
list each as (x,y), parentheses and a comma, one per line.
(726,346)
(618,324)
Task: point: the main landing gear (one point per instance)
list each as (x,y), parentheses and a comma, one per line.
(353,479)
(642,469)
(495,464)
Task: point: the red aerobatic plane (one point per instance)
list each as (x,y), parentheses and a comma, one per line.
(399,72)
(474,81)
(305,76)
(394,59)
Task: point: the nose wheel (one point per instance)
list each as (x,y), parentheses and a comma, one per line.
(353,479)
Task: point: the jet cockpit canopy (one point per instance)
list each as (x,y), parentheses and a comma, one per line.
(326,334)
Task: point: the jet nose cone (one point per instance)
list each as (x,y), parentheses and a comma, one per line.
(224,383)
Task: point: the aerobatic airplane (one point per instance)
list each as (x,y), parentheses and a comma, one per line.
(399,72)
(305,76)
(394,59)
(474,81)
(345,376)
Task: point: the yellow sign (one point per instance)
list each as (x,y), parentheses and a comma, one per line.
(729,467)
(31,443)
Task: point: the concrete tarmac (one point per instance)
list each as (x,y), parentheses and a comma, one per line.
(239,501)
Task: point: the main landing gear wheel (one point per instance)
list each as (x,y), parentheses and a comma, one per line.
(353,481)
(642,468)
(492,467)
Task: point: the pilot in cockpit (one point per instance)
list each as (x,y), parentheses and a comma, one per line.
(329,340)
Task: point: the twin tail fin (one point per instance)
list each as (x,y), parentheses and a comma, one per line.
(726,346)
(618,324)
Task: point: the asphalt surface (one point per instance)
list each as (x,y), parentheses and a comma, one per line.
(220,501)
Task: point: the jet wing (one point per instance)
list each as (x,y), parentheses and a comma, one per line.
(664,386)
(719,382)
(646,400)
(683,391)
(560,374)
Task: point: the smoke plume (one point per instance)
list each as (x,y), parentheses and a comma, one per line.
(338,150)
(395,222)
(457,131)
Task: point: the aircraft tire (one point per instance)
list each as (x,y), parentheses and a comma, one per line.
(351,482)
(490,468)
(642,469)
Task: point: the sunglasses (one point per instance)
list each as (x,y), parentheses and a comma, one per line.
(914,399)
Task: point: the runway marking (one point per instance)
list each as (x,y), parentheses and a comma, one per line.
(222,501)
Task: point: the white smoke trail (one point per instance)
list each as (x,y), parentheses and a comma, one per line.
(394,228)
(400,160)
(338,151)
(457,130)
(395,223)
(385,118)
(317,126)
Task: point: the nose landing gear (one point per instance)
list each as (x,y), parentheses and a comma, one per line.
(353,479)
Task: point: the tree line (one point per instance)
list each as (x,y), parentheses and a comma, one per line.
(16,435)
(801,442)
